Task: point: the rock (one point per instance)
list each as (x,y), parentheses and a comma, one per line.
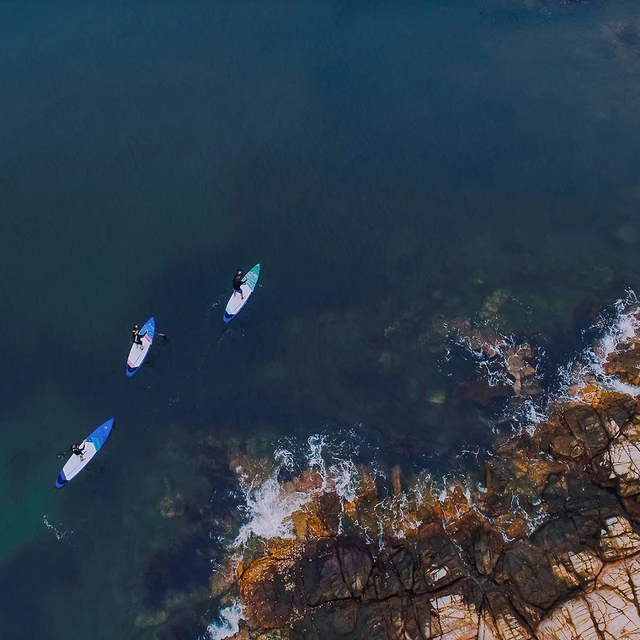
(144,620)
(335,569)
(437,397)
(388,359)
(566,446)
(496,500)
(547,549)
(493,304)
(172,506)
(618,414)
(609,611)
(439,560)
(618,539)
(499,620)
(586,427)
(550,565)
(457,611)
(487,550)
(264,589)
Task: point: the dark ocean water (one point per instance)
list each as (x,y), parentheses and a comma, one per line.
(377,158)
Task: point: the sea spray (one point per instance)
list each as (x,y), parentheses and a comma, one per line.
(226,624)
(612,331)
(269,506)
(269,510)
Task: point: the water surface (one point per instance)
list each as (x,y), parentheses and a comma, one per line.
(376,158)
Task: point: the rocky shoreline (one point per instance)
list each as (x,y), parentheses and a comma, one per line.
(547,546)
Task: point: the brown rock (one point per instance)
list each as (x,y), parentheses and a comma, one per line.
(264,590)
(334,569)
(565,446)
(487,550)
(585,425)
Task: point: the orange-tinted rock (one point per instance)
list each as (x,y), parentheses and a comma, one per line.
(265,592)
(396,480)
(559,552)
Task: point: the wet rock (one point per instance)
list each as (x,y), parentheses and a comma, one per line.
(144,620)
(335,569)
(548,548)
(493,304)
(487,550)
(586,427)
(392,574)
(264,586)
(437,397)
(520,370)
(549,565)
(496,500)
(439,559)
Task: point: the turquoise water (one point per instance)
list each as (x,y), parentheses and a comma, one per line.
(376,158)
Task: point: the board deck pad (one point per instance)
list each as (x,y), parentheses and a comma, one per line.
(138,353)
(93,444)
(236,301)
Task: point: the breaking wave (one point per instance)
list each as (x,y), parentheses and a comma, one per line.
(268,506)
(611,331)
(227,623)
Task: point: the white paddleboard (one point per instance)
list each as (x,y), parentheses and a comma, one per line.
(237,301)
(92,444)
(138,352)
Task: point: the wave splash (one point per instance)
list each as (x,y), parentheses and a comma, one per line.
(269,504)
(227,623)
(612,331)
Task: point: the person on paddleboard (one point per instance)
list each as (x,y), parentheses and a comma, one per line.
(238,281)
(137,338)
(78,449)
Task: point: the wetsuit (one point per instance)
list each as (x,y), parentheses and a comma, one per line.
(238,282)
(78,450)
(137,337)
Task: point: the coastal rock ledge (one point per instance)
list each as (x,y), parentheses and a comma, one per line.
(546,547)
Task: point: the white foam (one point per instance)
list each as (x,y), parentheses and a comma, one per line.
(614,332)
(269,506)
(59,534)
(226,624)
(270,509)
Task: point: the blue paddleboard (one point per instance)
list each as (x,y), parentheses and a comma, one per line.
(139,351)
(93,444)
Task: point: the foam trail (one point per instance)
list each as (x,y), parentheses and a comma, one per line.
(227,623)
(60,535)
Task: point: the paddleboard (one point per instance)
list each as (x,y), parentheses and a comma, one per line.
(92,445)
(236,302)
(139,352)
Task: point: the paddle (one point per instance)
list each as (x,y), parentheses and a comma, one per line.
(156,333)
